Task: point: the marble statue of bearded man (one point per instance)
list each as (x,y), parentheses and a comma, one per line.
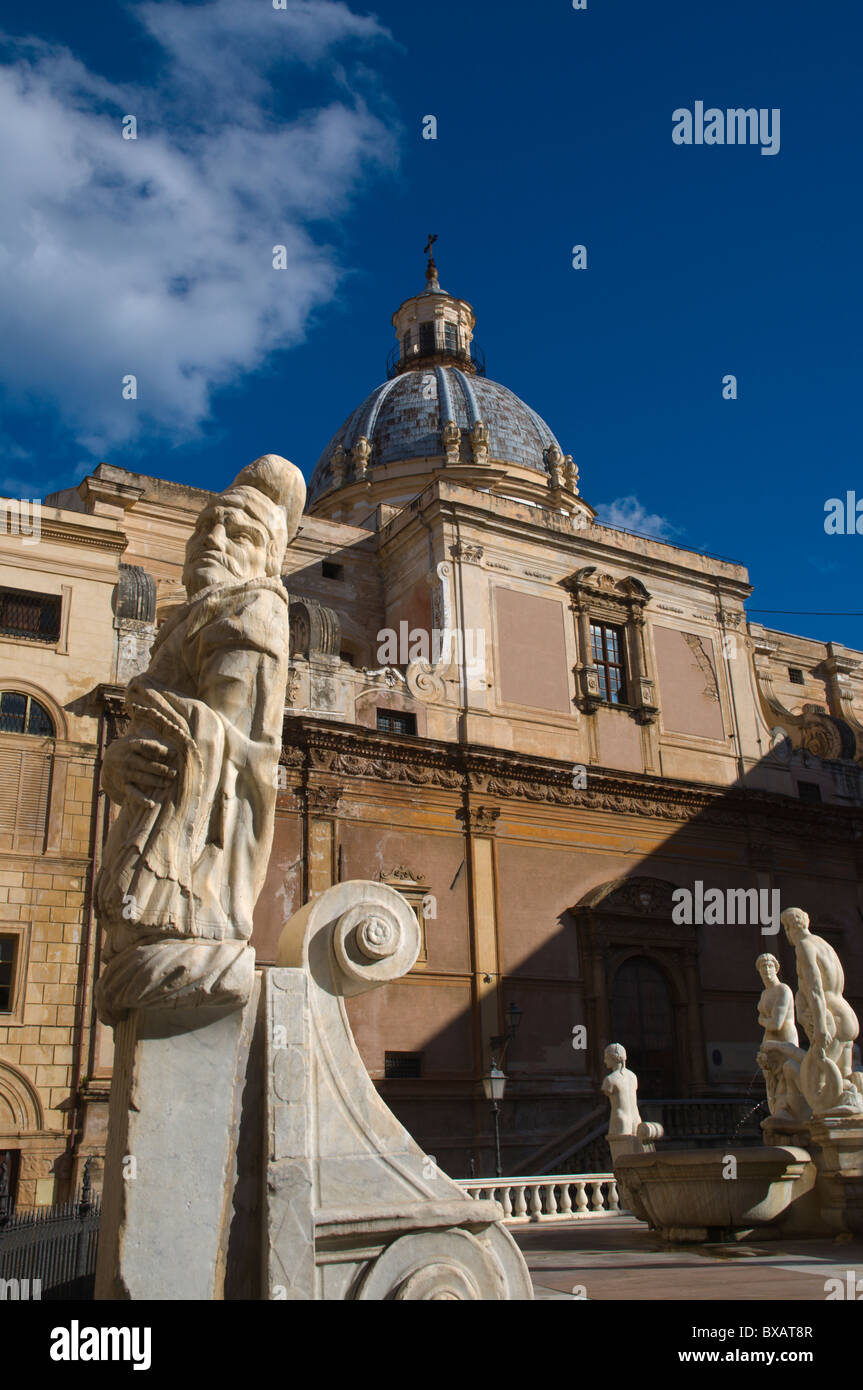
(195,775)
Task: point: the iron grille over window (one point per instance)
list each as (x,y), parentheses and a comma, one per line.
(35,617)
(607,650)
(396,722)
(8,945)
(402,1066)
(427,337)
(21,714)
(450,337)
(795,675)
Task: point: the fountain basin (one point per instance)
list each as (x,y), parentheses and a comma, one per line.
(682,1193)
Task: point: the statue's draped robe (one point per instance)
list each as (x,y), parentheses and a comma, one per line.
(187,868)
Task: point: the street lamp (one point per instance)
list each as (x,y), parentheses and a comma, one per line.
(494,1085)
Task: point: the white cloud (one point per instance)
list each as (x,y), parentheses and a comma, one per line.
(628,513)
(154,256)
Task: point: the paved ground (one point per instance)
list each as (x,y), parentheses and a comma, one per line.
(618,1258)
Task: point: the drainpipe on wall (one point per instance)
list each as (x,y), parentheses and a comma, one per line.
(86,981)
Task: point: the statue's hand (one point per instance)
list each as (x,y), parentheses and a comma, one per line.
(822,1039)
(143,768)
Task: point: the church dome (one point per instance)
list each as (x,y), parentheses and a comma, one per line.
(438,415)
(404,418)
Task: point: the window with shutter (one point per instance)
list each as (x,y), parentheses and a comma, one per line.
(25,780)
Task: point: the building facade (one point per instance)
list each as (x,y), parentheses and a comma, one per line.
(536,727)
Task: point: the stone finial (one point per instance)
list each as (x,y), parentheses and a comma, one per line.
(479,438)
(361,454)
(451,440)
(338,465)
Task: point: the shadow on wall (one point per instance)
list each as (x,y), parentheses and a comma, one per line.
(597,945)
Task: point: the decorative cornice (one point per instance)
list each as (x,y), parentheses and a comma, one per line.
(349,751)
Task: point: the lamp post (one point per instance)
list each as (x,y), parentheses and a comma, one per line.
(494,1083)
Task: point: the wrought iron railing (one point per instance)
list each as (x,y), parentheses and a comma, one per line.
(473,358)
(50,1252)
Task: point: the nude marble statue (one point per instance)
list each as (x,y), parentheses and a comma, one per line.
(621,1087)
(194,776)
(826,1080)
(779,1056)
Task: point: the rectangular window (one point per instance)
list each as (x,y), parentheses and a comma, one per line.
(450,337)
(35,617)
(402,1066)
(391,721)
(795,675)
(607,651)
(810,792)
(25,783)
(427,337)
(8,949)
(329,570)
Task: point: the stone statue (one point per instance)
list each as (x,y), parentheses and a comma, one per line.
(779,1057)
(195,776)
(826,1079)
(621,1087)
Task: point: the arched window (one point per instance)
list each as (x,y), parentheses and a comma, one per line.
(22,714)
(25,772)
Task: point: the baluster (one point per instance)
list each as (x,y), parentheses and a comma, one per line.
(613,1196)
(596,1202)
(580,1198)
(535,1202)
(520,1201)
(565,1200)
(551,1203)
(506,1202)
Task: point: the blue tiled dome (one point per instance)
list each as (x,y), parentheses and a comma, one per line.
(403,419)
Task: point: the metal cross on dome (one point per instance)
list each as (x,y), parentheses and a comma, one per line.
(430,243)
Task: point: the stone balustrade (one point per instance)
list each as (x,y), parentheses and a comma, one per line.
(556,1197)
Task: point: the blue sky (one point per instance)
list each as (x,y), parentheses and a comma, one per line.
(303,127)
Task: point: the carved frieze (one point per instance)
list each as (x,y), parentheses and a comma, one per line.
(478,820)
(763,817)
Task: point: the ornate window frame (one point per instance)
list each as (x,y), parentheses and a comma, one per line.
(620,603)
(414,889)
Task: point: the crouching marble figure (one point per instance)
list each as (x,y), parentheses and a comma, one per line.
(195,774)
